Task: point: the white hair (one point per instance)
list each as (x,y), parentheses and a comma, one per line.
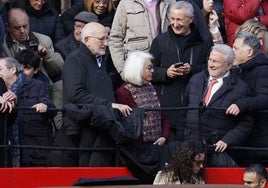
(132,71)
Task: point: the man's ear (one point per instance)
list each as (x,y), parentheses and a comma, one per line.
(250,53)
(191,19)
(263,183)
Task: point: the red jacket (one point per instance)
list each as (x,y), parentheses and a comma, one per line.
(236,12)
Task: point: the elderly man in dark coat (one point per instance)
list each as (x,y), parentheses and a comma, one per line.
(217,88)
(85,80)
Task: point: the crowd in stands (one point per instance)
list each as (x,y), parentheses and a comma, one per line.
(109,57)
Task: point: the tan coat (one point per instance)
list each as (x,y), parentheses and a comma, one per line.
(51,64)
(132,29)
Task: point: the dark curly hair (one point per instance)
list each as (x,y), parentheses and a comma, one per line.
(180,166)
(28,58)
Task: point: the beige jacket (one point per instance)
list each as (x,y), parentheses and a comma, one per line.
(132,29)
(52,63)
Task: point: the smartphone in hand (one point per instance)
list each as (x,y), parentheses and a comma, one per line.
(177,65)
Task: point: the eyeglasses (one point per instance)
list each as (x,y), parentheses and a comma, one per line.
(103,2)
(214,61)
(150,67)
(102,39)
(198,162)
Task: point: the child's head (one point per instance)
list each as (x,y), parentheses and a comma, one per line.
(30,61)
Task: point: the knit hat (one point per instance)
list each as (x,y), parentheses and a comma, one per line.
(86,17)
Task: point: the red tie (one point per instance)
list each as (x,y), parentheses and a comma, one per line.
(207,96)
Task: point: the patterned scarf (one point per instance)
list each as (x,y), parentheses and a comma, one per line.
(146,97)
(15,152)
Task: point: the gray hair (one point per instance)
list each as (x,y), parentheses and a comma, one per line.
(251,41)
(227,51)
(182,4)
(132,71)
(10,62)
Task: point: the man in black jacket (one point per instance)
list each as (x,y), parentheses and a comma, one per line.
(215,126)
(85,80)
(181,43)
(252,67)
(71,43)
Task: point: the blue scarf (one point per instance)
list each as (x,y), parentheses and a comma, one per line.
(15,152)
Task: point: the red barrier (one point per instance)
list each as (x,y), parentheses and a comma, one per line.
(45,177)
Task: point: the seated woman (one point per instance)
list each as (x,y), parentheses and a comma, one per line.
(185,166)
(137,91)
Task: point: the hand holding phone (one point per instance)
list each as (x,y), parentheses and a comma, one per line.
(177,65)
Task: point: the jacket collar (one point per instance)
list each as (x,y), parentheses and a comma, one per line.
(31,39)
(258,60)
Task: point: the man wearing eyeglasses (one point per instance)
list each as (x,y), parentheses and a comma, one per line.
(85,81)
(217,88)
(71,43)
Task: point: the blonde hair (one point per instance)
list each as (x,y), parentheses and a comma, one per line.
(89,5)
(252,26)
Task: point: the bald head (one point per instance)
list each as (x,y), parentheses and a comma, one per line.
(95,37)
(18,24)
(92,29)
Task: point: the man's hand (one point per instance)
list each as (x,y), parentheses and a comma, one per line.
(40,107)
(124,109)
(11,97)
(160,141)
(220,146)
(233,110)
(172,71)
(42,51)
(5,105)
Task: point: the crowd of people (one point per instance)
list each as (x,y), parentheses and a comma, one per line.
(109,57)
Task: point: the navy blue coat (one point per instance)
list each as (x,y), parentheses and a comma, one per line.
(216,125)
(34,128)
(255,73)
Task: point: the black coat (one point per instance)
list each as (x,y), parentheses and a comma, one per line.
(67,45)
(46,21)
(255,73)
(216,125)
(164,49)
(84,81)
